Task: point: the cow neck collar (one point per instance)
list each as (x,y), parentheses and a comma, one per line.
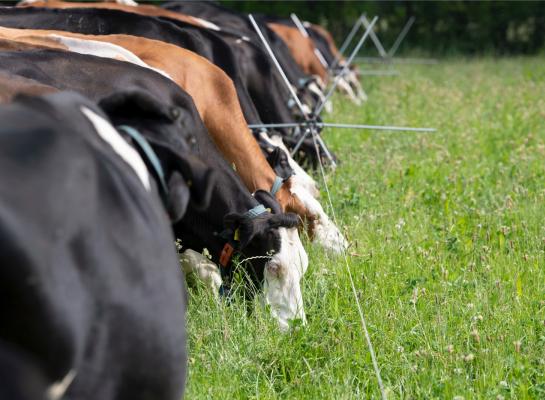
(151,158)
(226,253)
(278,181)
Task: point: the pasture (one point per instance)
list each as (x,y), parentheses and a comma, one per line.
(447,253)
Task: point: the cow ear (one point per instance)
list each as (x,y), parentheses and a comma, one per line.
(188,179)
(268,201)
(284,220)
(199,178)
(278,219)
(245,227)
(178,197)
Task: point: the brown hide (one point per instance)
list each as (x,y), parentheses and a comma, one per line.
(302,50)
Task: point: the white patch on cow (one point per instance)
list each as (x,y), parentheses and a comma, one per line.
(207,271)
(108,133)
(207,24)
(326,234)
(300,177)
(242,39)
(283,273)
(26,2)
(57,390)
(313,87)
(127,2)
(103,49)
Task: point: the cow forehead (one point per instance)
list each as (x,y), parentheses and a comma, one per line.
(108,133)
(291,254)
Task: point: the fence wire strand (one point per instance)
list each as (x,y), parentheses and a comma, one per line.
(353,286)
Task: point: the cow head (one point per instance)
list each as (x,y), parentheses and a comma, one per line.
(168,130)
(279,162)
(275,234)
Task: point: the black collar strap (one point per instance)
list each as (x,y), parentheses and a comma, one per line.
(151,156)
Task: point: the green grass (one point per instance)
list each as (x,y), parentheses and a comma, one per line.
(447,253)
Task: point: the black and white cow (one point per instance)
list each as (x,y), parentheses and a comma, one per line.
(92,299)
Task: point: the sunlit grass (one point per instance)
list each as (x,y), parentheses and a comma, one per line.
(448,253)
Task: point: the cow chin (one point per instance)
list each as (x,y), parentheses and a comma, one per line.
(283,273)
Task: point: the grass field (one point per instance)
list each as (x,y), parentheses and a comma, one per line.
(447,254)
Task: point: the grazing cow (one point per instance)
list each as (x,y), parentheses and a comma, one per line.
(200,228)
(92,299)
(223,119)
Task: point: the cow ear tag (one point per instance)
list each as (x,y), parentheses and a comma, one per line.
(237,235)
